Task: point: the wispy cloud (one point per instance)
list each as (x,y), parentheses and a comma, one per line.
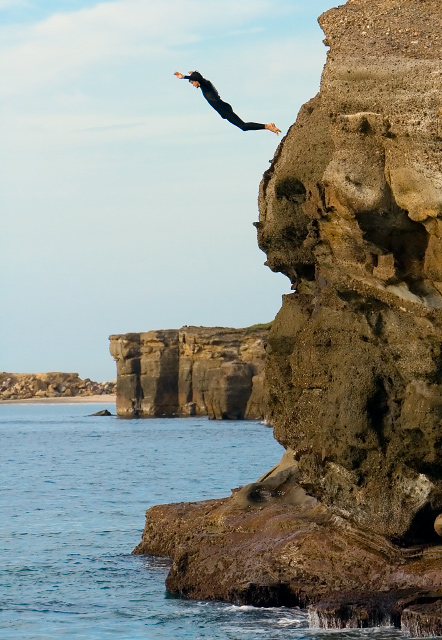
(107,70)
(99,146)
(245,32)
(9,4)
(64,43)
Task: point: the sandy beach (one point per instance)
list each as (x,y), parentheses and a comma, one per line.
(74,400)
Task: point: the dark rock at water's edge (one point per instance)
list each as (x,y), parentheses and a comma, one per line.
(423,619)
(351,212)
(104,412)
(193,371)
(271,544)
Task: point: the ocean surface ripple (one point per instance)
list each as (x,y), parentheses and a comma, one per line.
(74,492)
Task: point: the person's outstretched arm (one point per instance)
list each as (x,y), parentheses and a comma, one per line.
(194,78)
(181,76)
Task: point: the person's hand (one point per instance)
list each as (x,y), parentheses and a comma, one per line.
(178,75)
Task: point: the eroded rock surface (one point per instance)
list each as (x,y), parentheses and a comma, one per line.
(351,212)
(212,371)
(271,544)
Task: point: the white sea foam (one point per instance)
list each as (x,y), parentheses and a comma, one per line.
(244,607)
(289,621)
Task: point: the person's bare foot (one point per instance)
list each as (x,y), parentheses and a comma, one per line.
(272,127)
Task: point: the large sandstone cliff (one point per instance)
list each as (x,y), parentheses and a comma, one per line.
(351,212)
(214,371)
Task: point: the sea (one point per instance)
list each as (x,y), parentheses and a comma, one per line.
(74,491)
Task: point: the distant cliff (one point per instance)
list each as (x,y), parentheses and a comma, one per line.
(213,371)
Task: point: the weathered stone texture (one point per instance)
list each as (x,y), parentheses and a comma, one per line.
(351,212)
(270,544)
(191,371)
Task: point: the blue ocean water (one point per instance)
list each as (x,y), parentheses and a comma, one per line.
(74,492)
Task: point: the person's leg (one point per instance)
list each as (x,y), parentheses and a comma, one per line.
(244,126)
(252,126)
(225,111)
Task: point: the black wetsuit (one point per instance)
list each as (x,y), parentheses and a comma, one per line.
(223,108)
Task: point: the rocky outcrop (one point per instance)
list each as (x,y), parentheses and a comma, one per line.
(271,544)
(351,212)
(25,386)
(199,371)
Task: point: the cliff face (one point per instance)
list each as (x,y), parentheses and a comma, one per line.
(191,371)
(351,212)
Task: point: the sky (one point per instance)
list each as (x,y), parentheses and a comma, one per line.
(127,203)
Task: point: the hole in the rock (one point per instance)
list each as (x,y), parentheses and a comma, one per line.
(364,127)
(356,457)
(292,189)
(421,530)
(259,495)
(436,376)
(377,409)
(294,234)
(276,595)
(306,271)
(395,233)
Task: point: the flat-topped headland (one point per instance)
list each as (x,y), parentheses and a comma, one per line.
(193,371)
(349,523)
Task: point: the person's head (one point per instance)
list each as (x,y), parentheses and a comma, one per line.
(195,78)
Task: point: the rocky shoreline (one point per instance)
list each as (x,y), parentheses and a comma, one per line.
(351,212)
(50,386)
(271,544)
(103,398)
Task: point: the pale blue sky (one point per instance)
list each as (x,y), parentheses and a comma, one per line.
(127,202)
